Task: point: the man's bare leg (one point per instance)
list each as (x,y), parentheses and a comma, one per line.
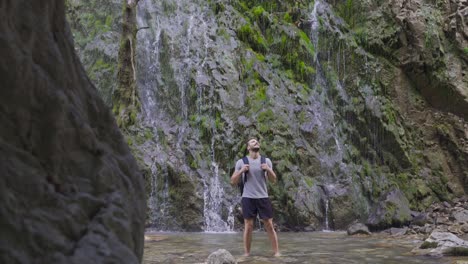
(268,223)
(248,229)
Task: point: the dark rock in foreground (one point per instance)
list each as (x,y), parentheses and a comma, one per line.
(70,191)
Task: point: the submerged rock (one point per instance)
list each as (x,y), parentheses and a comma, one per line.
(221,256)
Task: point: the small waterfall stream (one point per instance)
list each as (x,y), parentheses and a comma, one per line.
(324,117)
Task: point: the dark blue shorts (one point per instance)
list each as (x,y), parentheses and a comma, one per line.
(251,207)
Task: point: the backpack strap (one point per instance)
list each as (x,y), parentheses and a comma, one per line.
(244,175)
(263,161)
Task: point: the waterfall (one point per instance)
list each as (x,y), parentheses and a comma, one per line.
(159,196)
(213,204)
(323,116)
(176,33)
(327,226)
(213,198)
(323,111)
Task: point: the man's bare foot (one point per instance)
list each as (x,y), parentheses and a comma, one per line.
(246,254)
(277,254)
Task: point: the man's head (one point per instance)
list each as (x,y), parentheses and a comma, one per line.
(253,145)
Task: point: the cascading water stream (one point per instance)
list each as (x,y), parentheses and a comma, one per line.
(159,196)
(174,44)
(323,118)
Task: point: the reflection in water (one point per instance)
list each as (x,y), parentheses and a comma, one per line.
(316,247)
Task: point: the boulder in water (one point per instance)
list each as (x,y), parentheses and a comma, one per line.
(358,228)
(221,256)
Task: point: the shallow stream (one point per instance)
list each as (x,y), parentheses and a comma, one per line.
(313,247)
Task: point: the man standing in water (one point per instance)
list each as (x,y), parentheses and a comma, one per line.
(255,196)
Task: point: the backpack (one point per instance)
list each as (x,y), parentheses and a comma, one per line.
(243,180)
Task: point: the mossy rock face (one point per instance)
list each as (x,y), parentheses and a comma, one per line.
(334,105)
(95,26)
(391,211)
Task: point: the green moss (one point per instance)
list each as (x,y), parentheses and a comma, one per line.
(348,11)
(266,116)
(260,57)
(130,141)
(253,37)
(456,251)
(219,124)
(287,18)
(148,134)
(169,7)
(260,94)
(162,137)
(305,41)
(309,181)
(427,244)
(218,7)
(258,11)
(465,51)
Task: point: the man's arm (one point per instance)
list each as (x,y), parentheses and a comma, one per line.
(270,173)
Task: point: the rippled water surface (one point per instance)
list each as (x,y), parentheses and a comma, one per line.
(315,247)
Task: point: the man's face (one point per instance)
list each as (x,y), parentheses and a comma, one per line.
(253,145)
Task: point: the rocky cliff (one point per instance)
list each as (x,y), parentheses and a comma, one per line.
(361,106)
(70,190)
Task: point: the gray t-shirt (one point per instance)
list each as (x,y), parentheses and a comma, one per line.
(256,186)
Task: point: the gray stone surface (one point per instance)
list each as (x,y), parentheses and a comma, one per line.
(445,241)
(393,210)
(358,228)
(70,191)
(221,256)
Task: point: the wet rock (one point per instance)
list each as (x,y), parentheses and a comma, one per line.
(393,210)
(461,216)
(358,228)
(221,256)
(398,231)
(441,220)
(440,243)
(420,219)
(70,190)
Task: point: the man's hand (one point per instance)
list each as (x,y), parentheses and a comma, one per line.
(270,173)
(244,168)
(265,167)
